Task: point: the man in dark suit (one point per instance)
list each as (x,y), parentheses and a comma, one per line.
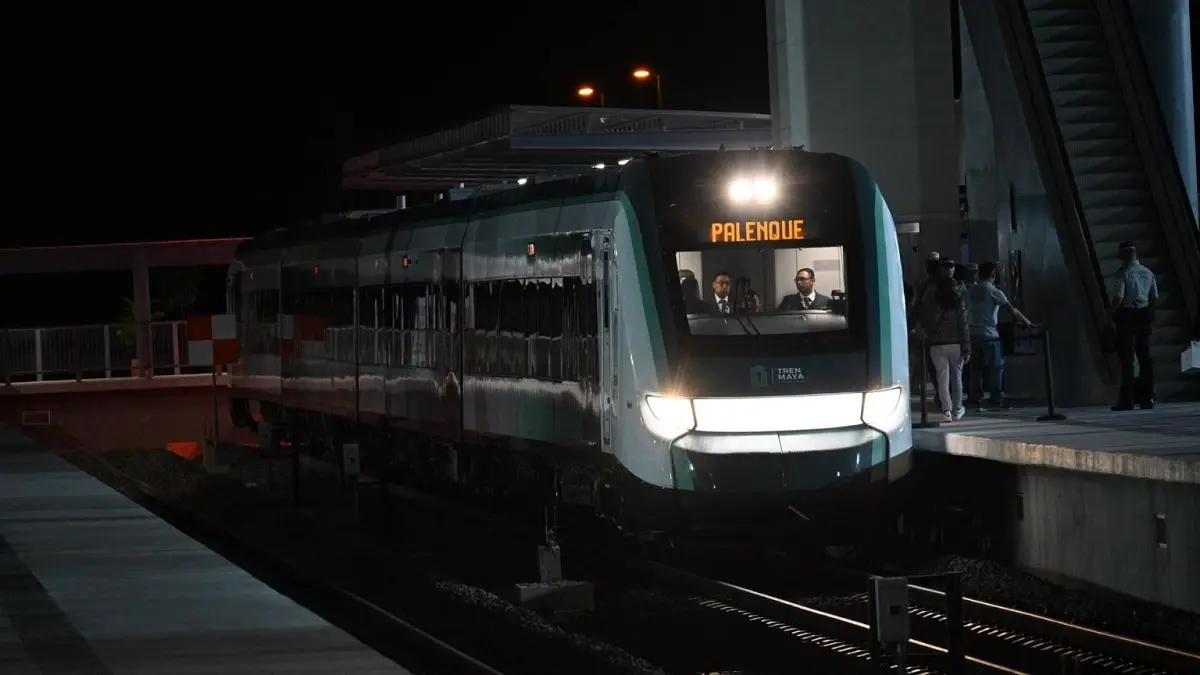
(720,288)
(807,297)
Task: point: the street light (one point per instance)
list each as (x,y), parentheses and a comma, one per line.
(587,91)
(644,75)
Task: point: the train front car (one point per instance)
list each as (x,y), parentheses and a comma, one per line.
(778,389)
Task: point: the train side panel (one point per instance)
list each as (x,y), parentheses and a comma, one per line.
(257,308)
(638,372)
(530,327)
(423,387)
(375,323)
(318,293)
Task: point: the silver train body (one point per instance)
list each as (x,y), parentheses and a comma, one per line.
(554,321)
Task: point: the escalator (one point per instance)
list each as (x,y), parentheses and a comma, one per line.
(1107,164)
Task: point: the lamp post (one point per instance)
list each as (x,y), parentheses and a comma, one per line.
(644,75)
(587,92)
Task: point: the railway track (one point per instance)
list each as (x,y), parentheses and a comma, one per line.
(1041,644)
(993,638)
(388,634)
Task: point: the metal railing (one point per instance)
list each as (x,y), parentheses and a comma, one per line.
(101,351)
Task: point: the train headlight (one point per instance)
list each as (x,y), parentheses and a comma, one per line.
(757,190)
(884,409)
(668,416)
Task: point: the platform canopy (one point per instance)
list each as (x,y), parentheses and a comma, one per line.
(526,141)
(122,256)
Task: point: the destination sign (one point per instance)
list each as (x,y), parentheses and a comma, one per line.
(757,230)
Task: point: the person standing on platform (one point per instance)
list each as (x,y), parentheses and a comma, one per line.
(984,302)
(967,275)
(943,325)
(1134,295)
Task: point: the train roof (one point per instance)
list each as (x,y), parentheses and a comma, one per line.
(599,182)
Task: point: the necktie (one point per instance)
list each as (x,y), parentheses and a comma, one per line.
(807,303)
(724,306)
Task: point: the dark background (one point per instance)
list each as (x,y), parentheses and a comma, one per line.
(195,122)
(169,123)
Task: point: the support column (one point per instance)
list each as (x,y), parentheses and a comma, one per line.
(984,196)
(141,314)
(874,80)
(1165,29)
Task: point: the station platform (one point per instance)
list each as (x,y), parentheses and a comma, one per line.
(93,584)
(1104,498)
(1162,444)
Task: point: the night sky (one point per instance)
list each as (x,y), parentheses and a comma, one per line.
(205,124)
(207,131)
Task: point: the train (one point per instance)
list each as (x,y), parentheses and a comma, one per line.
(640,341)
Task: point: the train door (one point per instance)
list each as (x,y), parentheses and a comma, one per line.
(609,344)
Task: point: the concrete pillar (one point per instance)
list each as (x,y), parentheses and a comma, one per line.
(874,80)
(984,236)
(1165,29)
(141,313)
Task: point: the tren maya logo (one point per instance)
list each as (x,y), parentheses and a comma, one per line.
(762,376)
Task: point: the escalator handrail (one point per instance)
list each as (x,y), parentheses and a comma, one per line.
(1056,160)
(1149,125)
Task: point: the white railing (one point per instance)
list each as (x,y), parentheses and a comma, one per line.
(92,352)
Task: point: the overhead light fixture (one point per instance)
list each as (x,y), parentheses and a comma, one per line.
(598,166)
(623,162)
(522,181)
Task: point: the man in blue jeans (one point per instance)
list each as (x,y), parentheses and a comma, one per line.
(984,301)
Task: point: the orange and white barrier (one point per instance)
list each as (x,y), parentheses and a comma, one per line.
(301,335)
(212,340)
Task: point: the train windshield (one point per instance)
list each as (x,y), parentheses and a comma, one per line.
(761,253)
(754,290)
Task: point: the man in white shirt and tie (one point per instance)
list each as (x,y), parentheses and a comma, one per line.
(1134,295)
(720,288)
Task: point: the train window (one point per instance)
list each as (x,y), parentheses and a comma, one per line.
(529,307)
(372,316)
(451,296)
(551,307)
(511,308)
(779,290)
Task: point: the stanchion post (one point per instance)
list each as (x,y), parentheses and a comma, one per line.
(925,423)
(1051,415)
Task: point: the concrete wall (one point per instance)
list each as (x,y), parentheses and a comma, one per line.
(1075,525)
(1001,226)
(873,79)
(1101,529)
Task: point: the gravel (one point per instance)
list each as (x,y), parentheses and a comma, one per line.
(416,573)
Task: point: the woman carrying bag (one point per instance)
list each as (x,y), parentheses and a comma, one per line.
(943,328)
